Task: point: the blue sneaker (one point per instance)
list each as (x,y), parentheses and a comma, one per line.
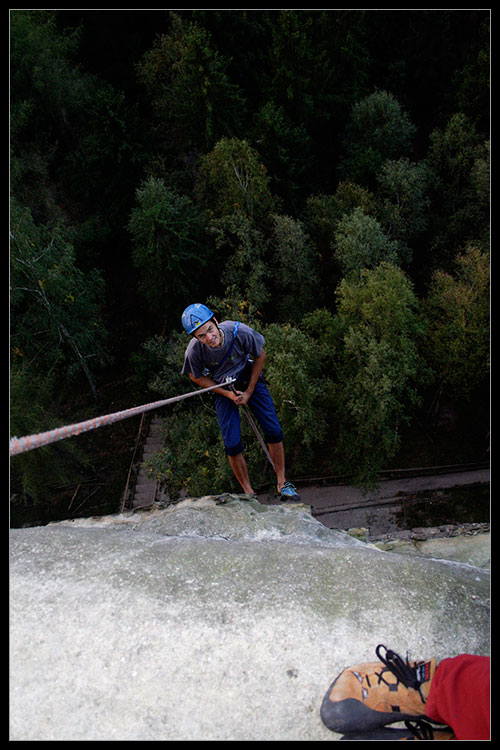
(289,494)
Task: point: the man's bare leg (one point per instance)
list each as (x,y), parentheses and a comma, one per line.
(277,452)
(240,469)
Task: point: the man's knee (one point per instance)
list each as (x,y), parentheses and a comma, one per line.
(274,436)
(234,450)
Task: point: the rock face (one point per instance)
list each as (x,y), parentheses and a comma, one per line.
(215,620)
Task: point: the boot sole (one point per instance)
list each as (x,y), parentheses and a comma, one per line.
(352,716)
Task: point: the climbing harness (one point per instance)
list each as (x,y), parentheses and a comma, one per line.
(246,411)
(27,443)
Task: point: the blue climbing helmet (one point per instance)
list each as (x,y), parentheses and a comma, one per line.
(195,316)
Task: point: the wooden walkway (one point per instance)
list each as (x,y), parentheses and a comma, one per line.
(146,487)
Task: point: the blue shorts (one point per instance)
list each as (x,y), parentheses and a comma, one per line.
(262,406)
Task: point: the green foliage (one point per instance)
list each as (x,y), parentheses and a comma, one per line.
(33,400)
(284,120)
(43,68)
(360,243)
(324,212)
(293,62)
(378,130)
(166,377)
(233,186)
(294,270)
(458,161)
(286,146)
(381,367)
(108,145)
(192,459)
(403,199)
(244,272)
(166,229)
(46,90)
(299,378)
(75,140)
(216,138)
(458,309)
(194,101)
(326,330)
(232,179)
(472,81)
(232,307)
(56,309)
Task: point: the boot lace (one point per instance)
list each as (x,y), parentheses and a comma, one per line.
(421,730)
(402,670)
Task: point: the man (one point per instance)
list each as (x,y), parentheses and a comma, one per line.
(226,350)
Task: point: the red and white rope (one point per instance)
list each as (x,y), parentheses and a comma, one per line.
(23,444)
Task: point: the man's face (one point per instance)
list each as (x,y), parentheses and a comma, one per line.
(209,334)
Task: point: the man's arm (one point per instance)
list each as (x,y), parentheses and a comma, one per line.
(257,366)
(239,397)
(206,382)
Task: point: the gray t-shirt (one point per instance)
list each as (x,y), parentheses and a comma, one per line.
(199,357)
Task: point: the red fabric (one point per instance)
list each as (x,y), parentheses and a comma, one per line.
(460,696)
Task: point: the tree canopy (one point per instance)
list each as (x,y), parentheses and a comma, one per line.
(322,175)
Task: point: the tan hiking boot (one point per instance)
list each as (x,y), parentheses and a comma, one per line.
(371,695)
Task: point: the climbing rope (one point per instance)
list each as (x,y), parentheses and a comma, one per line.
(23,444)
(254,427)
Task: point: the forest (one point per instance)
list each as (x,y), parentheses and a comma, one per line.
(320,175)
